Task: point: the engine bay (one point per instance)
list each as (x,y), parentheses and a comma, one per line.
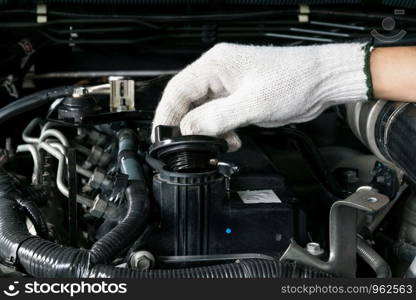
(85,192)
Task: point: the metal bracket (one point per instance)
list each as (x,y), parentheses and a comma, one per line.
(304,11)
(342,234)
(41,13)
(121,95)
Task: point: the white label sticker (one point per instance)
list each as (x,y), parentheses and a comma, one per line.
(259,196)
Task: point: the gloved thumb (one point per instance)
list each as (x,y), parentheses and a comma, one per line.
(218,116)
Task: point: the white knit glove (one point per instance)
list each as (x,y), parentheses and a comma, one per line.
(234,85)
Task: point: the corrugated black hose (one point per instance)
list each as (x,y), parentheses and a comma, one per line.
(33,213)
(129,229)
(250,268)
(374,260)
(25,198)
(41,258)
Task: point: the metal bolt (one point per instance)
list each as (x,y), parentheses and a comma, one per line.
(143,263)
(213,161)
(142,260)
(314,249)
(351,176)
(380,179)
(99,207)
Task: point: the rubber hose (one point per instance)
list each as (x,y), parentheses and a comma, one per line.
(29,203)
(33,213)
(33,101)
(399,142)
(26,200)
(41,258)
(252,268)
(129,228)
(388,129)
(12,226)
(373,259)
(138,204)
(44,259)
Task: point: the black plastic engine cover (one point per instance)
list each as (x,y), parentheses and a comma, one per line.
(198,216)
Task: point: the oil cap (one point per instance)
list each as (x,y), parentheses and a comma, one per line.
(186,153)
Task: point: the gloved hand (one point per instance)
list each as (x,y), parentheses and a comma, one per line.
(234,85)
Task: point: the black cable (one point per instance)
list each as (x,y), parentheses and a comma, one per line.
(316,161)
(33,101)
(204,17)
(17,11)
(107,20)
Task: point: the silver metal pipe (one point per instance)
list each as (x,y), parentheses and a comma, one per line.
(58,146)
(47,125)
(102,89)
(56,149)
(298,37)
(321,32)
(84,172)
(338,25)
(45,133)
(36,160)
(93,74)
(28,130)
(80,170)
(60,173)
(56,134)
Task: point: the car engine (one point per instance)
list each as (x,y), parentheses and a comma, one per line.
(85,193)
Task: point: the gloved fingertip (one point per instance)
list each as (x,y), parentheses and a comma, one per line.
(152,135)
(233,141)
